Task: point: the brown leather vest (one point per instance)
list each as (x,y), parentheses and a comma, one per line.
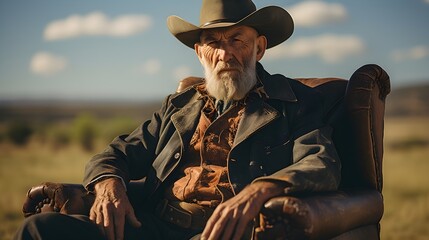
(203,178)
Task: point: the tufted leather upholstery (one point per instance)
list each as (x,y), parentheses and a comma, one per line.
(355,110)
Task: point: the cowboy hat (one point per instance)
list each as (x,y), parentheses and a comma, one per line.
(273,22)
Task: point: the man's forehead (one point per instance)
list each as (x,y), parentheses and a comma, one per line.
(234,30)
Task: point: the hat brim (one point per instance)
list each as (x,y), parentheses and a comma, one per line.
(273,22)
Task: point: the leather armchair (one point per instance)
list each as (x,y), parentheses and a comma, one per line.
(355,110)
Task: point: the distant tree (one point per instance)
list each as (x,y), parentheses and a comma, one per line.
(59,136)
(85,130)
(118,126)
(19,132)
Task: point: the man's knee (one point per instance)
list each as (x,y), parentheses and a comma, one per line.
(57,226)
(34,226)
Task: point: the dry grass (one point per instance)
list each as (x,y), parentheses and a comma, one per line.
(23,167)
(406,185)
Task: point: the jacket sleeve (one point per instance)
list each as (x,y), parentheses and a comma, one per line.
(128,156)
(315,162)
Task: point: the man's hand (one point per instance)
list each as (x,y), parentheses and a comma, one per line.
(111,207)
(230,218)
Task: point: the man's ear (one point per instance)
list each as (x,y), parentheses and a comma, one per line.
(261,44)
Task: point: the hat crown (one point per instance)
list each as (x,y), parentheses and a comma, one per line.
(215,11)
(274,22)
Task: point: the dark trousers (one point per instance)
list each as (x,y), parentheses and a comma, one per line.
(50,226)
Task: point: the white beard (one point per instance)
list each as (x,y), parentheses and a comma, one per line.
(229,86)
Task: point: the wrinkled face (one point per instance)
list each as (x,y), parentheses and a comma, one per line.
(229,57)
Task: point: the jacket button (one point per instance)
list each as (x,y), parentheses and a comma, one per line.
(177,156)
(232,160)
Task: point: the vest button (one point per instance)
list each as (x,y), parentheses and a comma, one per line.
(233,160)
(177,156)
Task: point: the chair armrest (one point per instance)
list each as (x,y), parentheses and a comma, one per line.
(69,198)
(309,217)
(57,197)
(319,217)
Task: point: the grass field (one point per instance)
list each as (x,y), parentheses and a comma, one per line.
(406,181)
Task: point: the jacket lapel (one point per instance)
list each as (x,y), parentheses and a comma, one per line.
(258,112)
(186,119)
(256,115)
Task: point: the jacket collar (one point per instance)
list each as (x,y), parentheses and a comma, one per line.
(179,100)
(276,86)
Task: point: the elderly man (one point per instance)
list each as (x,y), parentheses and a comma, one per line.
(215,152)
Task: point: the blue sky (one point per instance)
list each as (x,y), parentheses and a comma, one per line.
(122,50)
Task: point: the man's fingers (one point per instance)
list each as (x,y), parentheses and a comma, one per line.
(110,208)
(230,226)
(92,215)
(119,220)
(109,227)
(240,227)
(215,227)
(132,219)
(97,218)
(210,224)
(218,228)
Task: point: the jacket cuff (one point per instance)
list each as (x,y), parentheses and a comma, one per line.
(91,184)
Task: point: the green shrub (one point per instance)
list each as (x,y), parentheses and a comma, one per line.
(19,132)
(59,135)
(118,126)
(85,131)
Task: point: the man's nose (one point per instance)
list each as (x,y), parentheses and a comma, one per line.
(225,52)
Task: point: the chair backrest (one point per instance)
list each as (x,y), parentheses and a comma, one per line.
(355,110)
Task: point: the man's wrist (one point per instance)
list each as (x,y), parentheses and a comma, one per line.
(101,178)
(269,189)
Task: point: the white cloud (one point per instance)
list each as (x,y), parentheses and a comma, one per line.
(151,67)
(44,63)
(96,24)
(426,1)
(181,72)
(331,48)
(414,53)
(316,13)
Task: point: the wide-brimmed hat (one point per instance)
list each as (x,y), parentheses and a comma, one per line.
(273,22)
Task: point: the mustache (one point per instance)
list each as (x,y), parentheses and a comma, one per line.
(227,65)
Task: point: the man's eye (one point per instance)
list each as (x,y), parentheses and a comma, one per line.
(211,43)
